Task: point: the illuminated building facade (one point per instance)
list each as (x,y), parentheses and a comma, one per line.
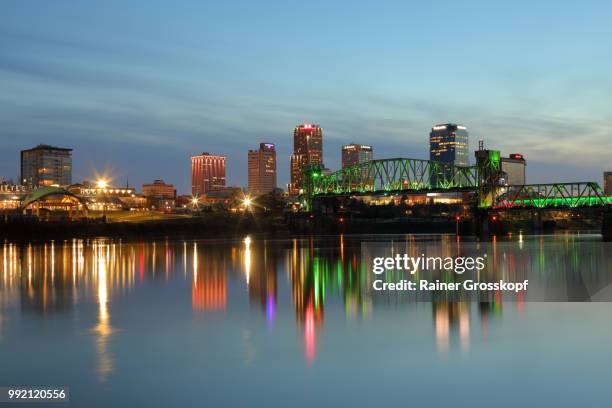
(11,196)
(159,189)
(448,143)
(160,195)
(45,165)
(105,198)
(608,182)
(307,150)
(262,169)
(207,173)
(88,189)
(355,154)
(513,169)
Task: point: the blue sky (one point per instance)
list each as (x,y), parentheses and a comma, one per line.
(137,87)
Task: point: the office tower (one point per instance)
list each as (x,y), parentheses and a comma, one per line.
(513,168)
(262,169)
(608,183)
(448,143)
(355,154)
(46,165)
(207,173)
(307,150)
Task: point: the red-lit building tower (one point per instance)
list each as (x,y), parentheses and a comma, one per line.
(307,150)
(207,173)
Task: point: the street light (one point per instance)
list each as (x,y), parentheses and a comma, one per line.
(102,184)
(247,202)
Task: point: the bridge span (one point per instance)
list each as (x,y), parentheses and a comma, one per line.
(406,175)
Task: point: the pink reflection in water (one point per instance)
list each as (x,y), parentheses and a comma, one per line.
(309,334)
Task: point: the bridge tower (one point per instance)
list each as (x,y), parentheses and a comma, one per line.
(488,166)
(313,172)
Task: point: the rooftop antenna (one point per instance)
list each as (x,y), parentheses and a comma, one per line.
(481,144)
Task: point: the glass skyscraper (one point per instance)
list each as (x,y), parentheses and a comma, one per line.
(448,143)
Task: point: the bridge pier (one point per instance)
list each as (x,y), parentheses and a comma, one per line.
(536,221)
(606,227)
(482,226)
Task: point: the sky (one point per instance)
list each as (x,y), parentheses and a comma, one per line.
(137,87)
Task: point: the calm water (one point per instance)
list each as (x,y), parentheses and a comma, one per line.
(294,323)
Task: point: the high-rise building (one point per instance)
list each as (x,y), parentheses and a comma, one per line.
(46,165)
(513,168)
(355,154)
(262,169)
(608,183)
(307,150)
(207,173)
(448,143)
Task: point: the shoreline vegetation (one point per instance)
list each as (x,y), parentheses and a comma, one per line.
(211,225)
(155,226)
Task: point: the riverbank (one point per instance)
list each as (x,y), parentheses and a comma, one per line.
(209,225)
(212,225)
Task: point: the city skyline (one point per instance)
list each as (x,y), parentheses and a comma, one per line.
(110,178)
(169,83)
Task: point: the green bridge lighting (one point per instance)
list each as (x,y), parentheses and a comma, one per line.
(405,175)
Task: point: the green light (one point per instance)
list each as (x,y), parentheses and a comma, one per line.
(495,156)
(558,201)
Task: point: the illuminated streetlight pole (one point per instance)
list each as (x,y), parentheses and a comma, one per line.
(194,203)
(102,184)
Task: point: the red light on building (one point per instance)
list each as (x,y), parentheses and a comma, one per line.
(307,150)
(207,173)
(516,156)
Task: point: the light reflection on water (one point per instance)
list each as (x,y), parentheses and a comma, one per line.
(311,277)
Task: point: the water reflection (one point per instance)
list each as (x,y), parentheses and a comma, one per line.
(103,329)
(447,317)
(209,283)
(316,276)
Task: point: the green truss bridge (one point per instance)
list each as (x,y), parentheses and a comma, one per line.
(404,175)
(394,175)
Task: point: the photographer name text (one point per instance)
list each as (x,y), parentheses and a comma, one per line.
(458,265)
